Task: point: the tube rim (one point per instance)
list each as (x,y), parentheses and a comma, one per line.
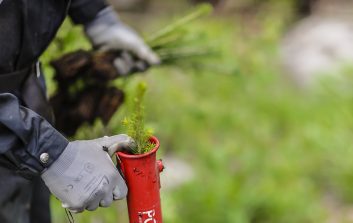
(137,156)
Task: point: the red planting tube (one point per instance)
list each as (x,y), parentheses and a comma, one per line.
(142,178)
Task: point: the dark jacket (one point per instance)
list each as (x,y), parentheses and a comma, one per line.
(26,29)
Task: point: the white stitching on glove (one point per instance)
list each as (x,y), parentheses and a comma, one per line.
(84,176)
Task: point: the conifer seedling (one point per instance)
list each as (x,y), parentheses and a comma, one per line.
(135,124)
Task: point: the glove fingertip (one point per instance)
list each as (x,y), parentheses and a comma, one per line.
(120,192)
(145,53)
(92,208)
(154,59)
(120,143)
(106,202)
(121,67)
(75,211)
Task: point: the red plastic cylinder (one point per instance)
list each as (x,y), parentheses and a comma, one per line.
(142,178)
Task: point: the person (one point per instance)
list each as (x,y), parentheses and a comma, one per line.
(80,174)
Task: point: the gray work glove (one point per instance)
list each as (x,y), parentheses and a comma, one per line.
(106,32)
(84,176)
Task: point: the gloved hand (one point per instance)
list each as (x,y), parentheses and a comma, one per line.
(84,176)
(106,32)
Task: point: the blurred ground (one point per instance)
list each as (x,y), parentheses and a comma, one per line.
(319,44)
(261,149)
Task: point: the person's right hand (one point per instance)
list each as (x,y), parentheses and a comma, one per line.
(107,33)
(84,176)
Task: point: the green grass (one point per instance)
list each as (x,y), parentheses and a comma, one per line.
(262,150)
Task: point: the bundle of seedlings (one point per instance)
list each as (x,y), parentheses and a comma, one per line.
(84,91)
(178,44)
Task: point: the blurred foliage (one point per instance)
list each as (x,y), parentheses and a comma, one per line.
(262,150)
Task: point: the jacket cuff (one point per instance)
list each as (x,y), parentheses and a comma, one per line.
(84,12)
(49,149)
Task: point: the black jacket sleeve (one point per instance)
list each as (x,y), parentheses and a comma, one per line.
(24,136)
(84,11)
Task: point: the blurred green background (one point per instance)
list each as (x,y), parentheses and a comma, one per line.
(261,149)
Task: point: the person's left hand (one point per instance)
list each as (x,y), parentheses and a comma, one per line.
(106,32)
